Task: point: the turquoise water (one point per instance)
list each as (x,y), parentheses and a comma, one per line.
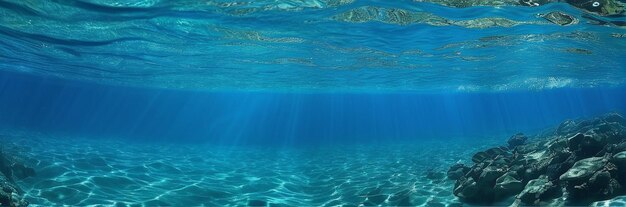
(310,45)
(287,102)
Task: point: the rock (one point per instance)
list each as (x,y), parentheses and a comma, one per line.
(613,202)
(567,127)
(537,190)
(559,18)
(516,140)
(507,185)
(489,175)
(620,159)
(584,160)
(6,199)
(593,178)
(559,163)
(466,189)
(583,169)
(584,145)
(480,189)
(457,171)
(557,145)
(615,118)
(489,154)
(602,184)
(10,195)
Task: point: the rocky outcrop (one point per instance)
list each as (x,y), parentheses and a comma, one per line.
(516,140)
(11,169)
(538,190)
(457,171)
(580,162)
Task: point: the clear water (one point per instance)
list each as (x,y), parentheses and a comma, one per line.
(284,102)
(309,45)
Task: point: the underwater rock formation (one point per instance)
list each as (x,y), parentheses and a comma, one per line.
(10,169)
(580,162)
(516,140)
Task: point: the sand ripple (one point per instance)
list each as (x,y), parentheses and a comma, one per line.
(80,172)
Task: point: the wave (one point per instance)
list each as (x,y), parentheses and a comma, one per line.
(313,45)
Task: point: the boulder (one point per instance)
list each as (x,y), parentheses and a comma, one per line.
(457,171)
(489,154)
(615,118)
(602,184)
(489,175)
(619,159)
(478,186)
(584,160)
(507,185)
(584,145)
(467,189)
(516,140)
(538,190)
(566,128)
(583,169)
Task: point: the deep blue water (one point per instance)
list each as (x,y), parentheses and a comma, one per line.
(82,108)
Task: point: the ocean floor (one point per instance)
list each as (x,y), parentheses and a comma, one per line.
(82,172)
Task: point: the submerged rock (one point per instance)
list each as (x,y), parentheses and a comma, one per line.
(489,154)
(507,185)
(620,159)
(583,169)
(567,127)
(538,190)
(11,169)
(615,118)
(467,189)
(516,140)
(457,171)
(584,160)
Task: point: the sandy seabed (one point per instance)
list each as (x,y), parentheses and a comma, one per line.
(82,172)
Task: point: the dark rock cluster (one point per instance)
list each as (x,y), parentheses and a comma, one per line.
(580,162)
(10,169)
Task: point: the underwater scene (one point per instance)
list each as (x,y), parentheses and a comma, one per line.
(312,103)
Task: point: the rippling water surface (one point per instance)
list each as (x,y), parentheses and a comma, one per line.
(311,44)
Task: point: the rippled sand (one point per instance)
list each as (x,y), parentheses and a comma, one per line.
(82,172)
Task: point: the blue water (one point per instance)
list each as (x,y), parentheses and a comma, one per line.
(286,103)
(309,45)
(80,108)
